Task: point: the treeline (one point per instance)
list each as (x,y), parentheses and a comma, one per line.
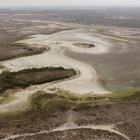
(10,80)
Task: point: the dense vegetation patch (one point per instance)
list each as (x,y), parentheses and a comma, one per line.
(27,77)
(84,45)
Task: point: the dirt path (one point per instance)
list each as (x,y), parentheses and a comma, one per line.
(71,126)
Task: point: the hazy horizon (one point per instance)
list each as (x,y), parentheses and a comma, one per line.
(7,3)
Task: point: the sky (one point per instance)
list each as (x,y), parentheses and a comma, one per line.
(67,2)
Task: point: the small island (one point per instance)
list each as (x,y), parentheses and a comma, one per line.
(84,45)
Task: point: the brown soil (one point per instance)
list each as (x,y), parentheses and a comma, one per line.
(7,24)
(105,114)
(9,52)
(12,30)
